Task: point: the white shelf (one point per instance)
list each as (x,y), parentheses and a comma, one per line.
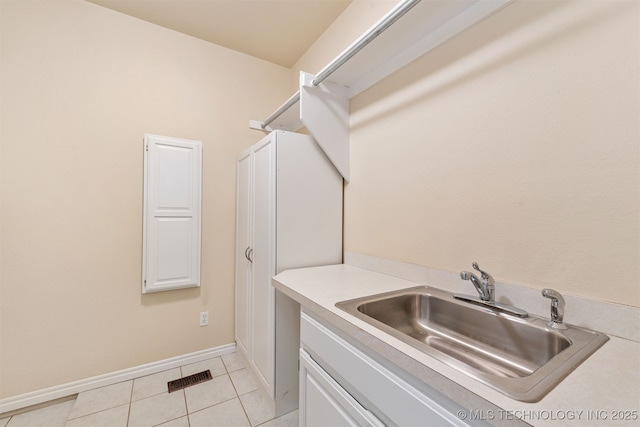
(289,120)
(426,25)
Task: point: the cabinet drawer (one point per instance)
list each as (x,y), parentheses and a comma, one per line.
(324,403)
(388,396)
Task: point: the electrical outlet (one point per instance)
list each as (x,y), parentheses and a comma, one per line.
(204,318)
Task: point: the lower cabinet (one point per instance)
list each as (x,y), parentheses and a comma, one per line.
(340,385)
(325,402)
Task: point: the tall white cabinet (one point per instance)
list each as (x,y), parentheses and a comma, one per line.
(289,215)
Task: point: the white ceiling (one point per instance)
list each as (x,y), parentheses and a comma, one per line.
(279,31)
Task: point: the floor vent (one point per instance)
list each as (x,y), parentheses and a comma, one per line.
(189,381)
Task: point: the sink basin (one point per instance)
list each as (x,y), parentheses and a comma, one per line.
(520,357)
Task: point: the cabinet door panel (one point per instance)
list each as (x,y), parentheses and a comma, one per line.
(172,199)
(243,243)
(263,256)
(301,227)
(324,403)
(389,395)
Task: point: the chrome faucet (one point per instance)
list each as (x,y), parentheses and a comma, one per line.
(557,308)
(485,287)
(486,290)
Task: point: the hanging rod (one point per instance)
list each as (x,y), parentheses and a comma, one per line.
(392,17)
(280,111)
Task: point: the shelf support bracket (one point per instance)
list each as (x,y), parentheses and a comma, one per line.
(258,125)
(324,111)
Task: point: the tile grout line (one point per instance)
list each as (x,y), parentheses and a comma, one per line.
(239,400)
(202,409)
(130,400)
(238,394)
(97,412)
(236,391)
(184,397)
(184,394)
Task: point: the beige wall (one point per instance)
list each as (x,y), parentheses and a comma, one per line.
(80,86)
(515,145)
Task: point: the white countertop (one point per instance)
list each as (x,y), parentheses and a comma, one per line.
(603,389)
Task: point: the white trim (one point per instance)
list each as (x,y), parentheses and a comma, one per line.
(47,394)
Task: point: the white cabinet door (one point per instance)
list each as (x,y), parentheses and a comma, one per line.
(289,215)
(171,231)
(389,396)
(323,402)
(243,252)
(264,203)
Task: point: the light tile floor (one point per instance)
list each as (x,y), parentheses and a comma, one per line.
(232,398)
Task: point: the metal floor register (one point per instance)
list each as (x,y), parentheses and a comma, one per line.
(185,382)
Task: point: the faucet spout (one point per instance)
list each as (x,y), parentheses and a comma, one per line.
(485,287)
(465,275)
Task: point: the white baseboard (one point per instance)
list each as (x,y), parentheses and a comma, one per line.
(52,393)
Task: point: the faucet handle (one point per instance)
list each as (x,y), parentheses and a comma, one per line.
(557,308)
(484,274)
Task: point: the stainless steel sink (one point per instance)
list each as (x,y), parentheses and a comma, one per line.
(520,357)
